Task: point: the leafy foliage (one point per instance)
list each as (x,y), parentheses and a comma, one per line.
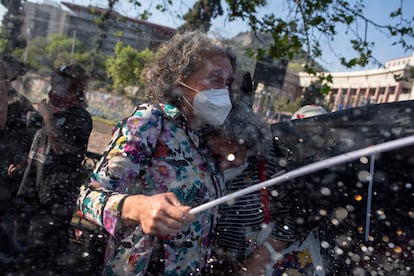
(300,26)
(295,30)
(11,25)
(200,16)
(284,104)
(314,94)
(126,66)
(44,54)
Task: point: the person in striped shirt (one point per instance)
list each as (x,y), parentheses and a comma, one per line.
(252,228)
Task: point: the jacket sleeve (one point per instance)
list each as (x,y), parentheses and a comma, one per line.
(117,175)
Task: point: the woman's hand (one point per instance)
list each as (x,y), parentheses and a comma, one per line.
(256,262)
(161,215)
(15,168)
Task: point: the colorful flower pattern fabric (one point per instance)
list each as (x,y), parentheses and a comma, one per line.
(295,263)
(153,151)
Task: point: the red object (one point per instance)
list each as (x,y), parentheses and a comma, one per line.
(264,193)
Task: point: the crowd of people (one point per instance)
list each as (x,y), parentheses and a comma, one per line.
(196,140)
(42,151)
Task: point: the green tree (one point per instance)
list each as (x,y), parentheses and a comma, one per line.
(200,16)
(283,104)
(45,54)
(126,66)
(11,26)
(299,28)
(103,25)
(4,43)
(36,54)
(59,49)
(314,94)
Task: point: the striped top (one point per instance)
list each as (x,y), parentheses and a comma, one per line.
(240,221)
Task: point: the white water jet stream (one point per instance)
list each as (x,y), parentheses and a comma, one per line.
(310,168)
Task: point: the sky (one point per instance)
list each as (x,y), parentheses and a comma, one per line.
(376,10)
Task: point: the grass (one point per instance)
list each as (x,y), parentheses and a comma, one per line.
(103,120)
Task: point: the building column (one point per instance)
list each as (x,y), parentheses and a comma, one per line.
(328,97)
(367,93)
(397,92)
(338,98)
(386,94)
(376,94)
(357,96)
(347,97)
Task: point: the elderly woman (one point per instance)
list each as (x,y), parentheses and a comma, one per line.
(157,167)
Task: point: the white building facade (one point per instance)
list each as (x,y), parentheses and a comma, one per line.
(352,89)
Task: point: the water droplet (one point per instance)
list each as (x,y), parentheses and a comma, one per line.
(338,251)
(398,250)
(274,193)
(364,176)
(325,191)
(341,213)
(324,244)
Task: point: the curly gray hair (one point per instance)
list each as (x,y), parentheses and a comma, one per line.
(179,58)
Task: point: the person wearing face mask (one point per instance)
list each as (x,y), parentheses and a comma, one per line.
(253,229)
(157,165)
(52,178)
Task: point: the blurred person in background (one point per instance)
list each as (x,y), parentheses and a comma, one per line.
(52,178)
(252,229)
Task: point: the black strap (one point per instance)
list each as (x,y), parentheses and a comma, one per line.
(157,262)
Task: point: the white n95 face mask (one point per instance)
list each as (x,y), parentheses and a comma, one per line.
(212,106)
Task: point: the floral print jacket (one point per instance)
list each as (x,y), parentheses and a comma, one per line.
(152,151)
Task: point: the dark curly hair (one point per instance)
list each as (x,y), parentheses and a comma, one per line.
(177,59)
(77,76)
